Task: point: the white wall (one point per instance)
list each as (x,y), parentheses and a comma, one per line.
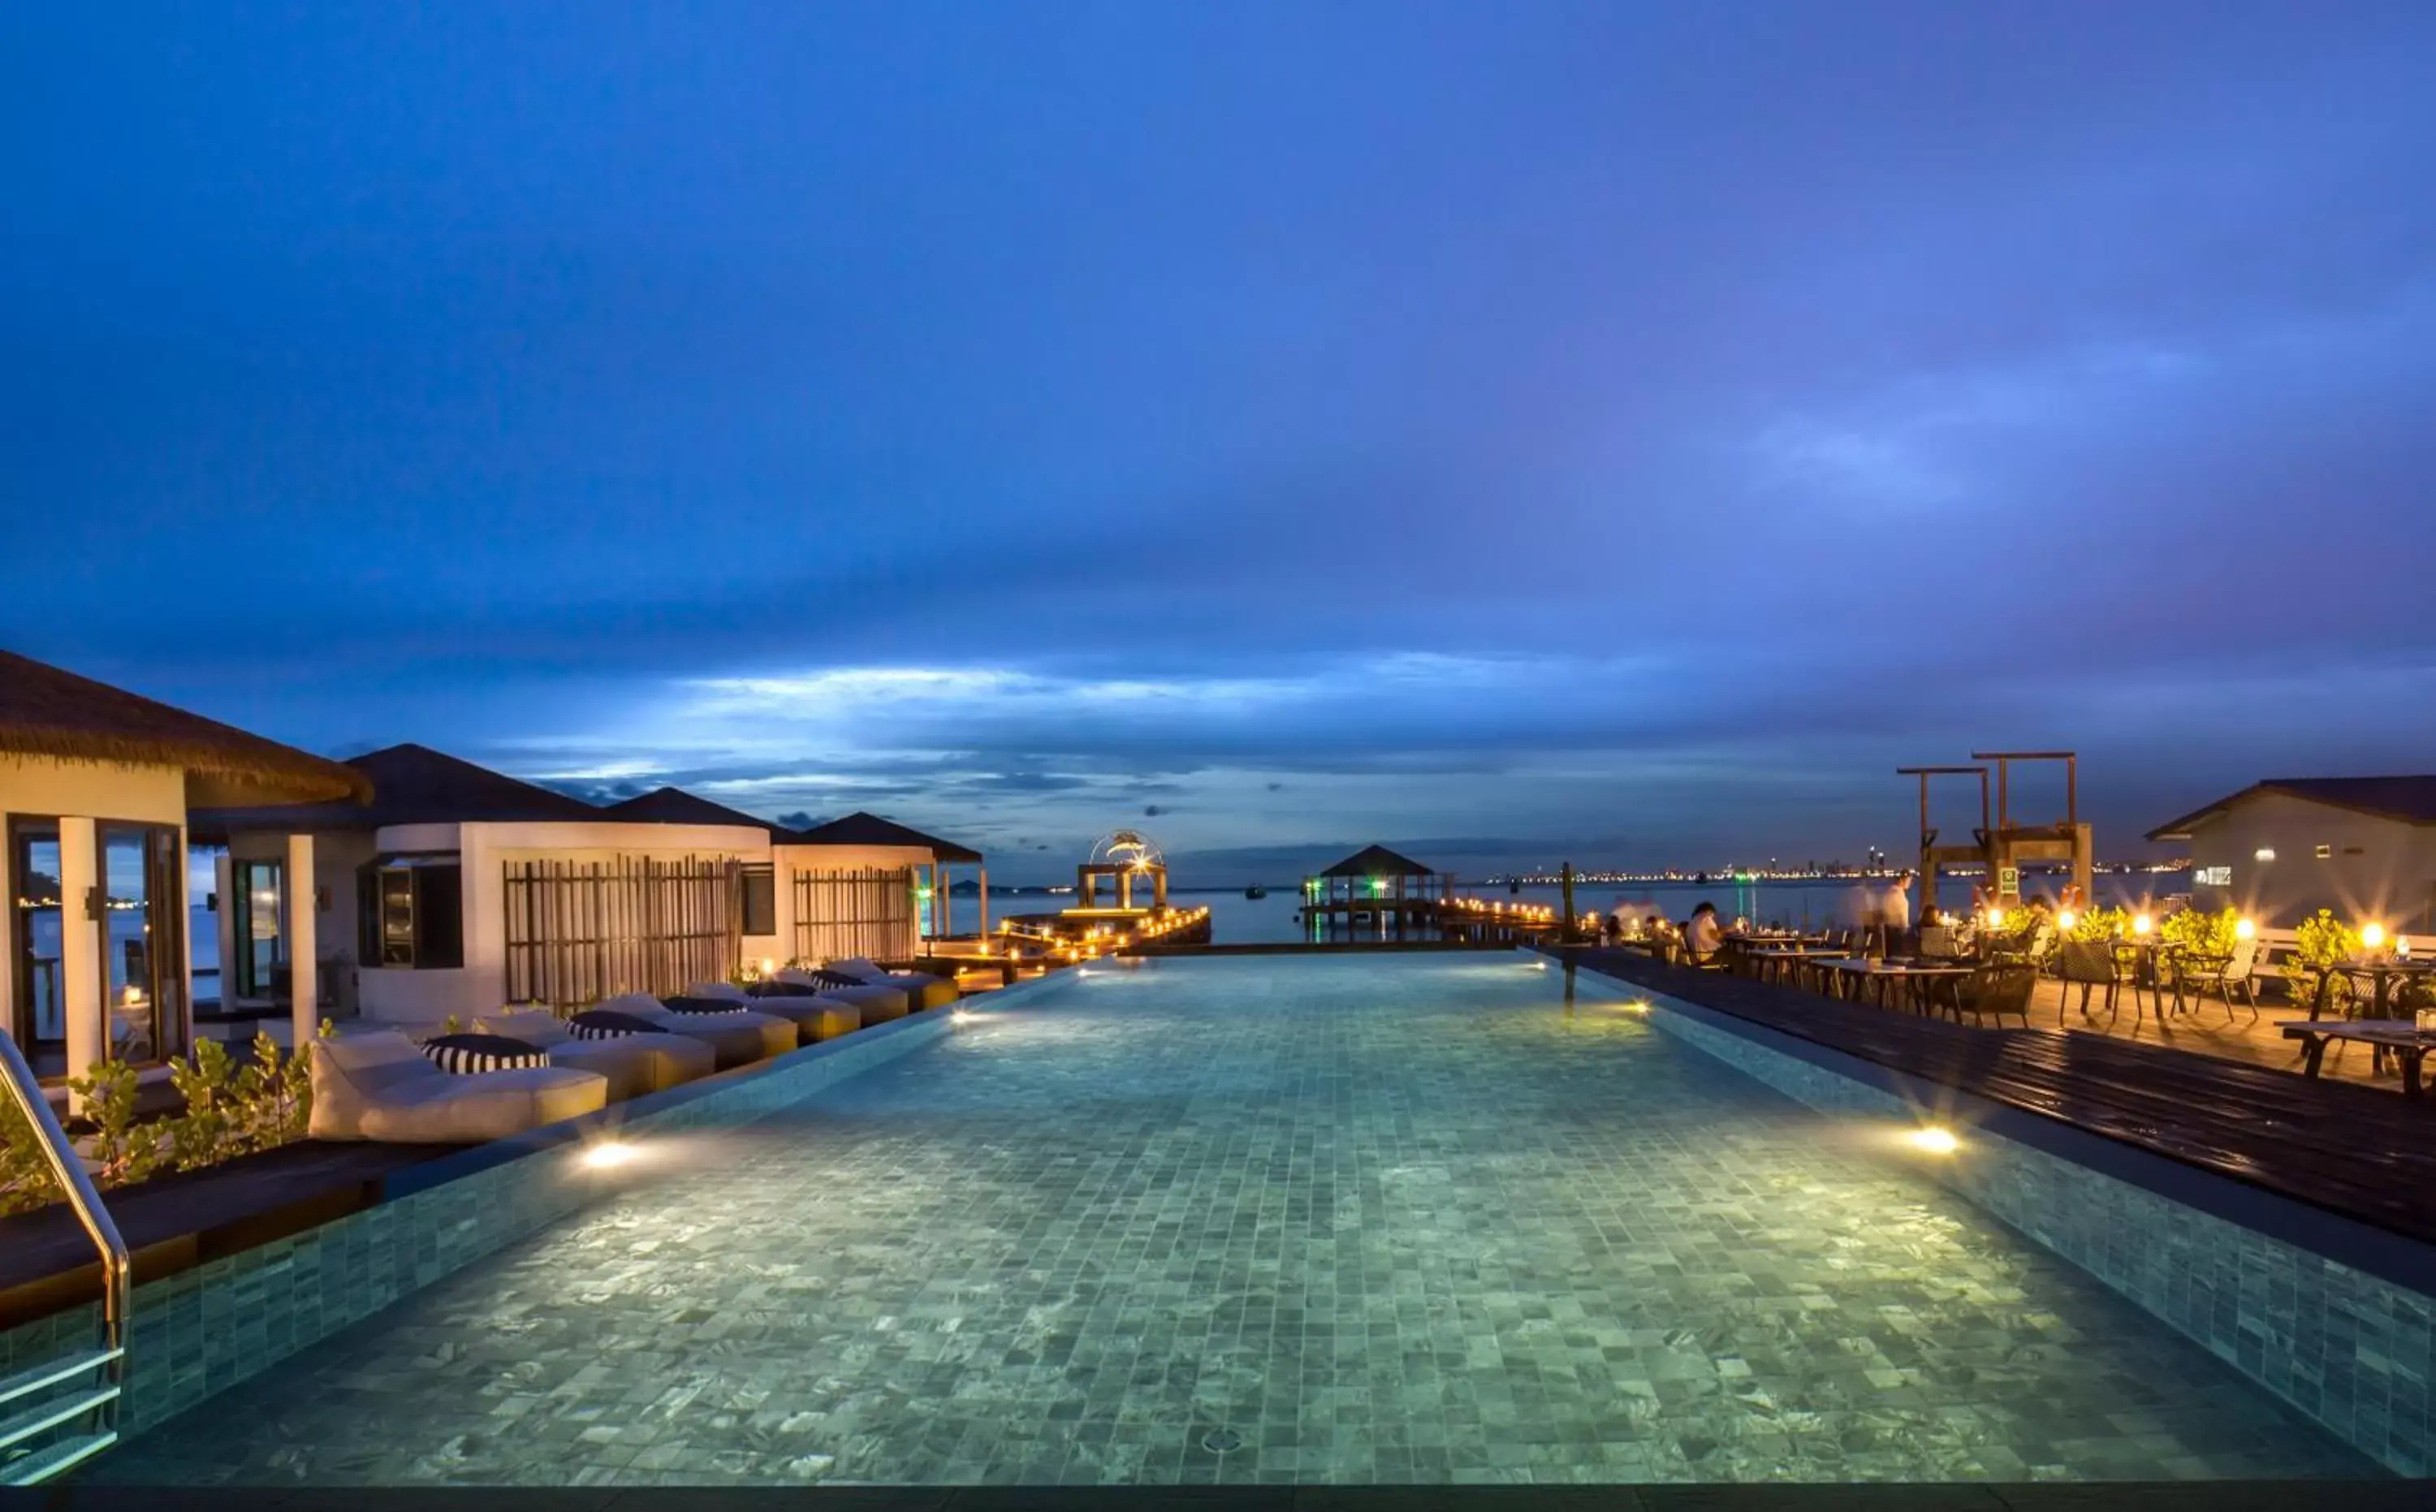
(2392,878)
(401,995)
(790,860)
(338,854)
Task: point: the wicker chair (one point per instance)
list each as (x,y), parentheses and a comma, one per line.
(2097,964)
(2225,975)
(1994,990)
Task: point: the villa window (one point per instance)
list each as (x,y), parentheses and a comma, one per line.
(757,894)
(411,912)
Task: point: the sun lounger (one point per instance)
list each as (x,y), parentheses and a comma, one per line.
(926,991)
(633,1063)
(737,1038)
(877,1002)
(382,1086)
(813,1017)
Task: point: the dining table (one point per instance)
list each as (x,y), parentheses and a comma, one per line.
(1857,978)
(2382,972)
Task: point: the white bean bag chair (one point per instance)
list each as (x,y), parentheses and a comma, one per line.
(924,990)
(737,1039)
(878,1003)
(634,1064)
(380,1087)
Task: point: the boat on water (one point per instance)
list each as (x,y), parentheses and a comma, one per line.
(1256,892)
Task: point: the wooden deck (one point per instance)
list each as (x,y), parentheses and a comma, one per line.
(2233,1109)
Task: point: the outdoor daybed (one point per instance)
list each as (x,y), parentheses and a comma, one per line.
(815,1017)
(380,1087)
(927,991)
(738,1038)
(633,1063)
(878,1003)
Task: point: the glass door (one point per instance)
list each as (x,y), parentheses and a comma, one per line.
(261,944)
(142,942)
(38,1017)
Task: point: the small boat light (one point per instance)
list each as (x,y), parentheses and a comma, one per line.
(1933,1140)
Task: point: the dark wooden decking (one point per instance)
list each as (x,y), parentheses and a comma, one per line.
(176,1221)
(2356,1151)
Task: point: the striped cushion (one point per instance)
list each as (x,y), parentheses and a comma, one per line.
(469,1055)
(683,1004)
(607,1023)
(782,989)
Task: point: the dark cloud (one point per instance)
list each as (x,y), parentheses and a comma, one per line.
(1965,385)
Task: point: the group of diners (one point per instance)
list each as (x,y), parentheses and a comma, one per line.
(527,1065)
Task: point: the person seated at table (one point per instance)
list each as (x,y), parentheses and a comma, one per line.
(1702,937)
(1933,917)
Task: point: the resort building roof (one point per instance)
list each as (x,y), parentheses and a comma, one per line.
(870,830)
(47,711)
(1377,860)
(2405,800)
(410,785)
(674,806)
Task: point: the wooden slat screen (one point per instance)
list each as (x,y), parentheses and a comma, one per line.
(867,911)
(579,931)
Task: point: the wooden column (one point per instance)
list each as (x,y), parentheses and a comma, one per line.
(984,869)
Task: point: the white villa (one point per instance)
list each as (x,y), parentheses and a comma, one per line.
(95,790)
(2280,850)
(456,889)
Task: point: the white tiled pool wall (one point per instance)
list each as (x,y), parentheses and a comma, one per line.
(2351,1349)
(205,1330)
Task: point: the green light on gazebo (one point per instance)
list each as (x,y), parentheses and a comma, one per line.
(1378,886)
(922,892)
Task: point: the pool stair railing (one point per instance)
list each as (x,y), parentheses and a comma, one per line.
(59,1414)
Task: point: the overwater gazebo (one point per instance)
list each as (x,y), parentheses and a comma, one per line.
(1376,882)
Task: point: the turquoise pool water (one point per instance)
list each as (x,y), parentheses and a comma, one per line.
(1270,1218)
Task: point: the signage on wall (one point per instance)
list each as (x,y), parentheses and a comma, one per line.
(2213,876)
(2008,882)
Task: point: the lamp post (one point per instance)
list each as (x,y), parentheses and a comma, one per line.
(1565,878)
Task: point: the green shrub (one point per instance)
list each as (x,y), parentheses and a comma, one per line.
(2200,932)
(229,1111)
(2320,943)
(2100,924)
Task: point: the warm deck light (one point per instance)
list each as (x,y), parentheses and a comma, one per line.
(2066,920)
(2143,925)
(2263,854)
(608,1157)
(2245,930)
(1995,919)
(2373,936)
(1935,1140)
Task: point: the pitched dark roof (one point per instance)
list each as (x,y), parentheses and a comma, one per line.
(1377,860)
(674,806)
(870,830)
(47,711)
(2408,800)
(411,784)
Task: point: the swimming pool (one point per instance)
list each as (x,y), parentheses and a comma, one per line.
(1281,1218)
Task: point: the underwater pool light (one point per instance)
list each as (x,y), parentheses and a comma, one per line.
(1638,1005)
(1935,1140)
(609,1155)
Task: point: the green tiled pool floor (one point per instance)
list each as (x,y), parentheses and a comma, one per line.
(1263,1219)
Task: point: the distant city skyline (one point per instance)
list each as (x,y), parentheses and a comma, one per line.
(1619,433)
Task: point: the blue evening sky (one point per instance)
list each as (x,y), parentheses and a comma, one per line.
(1519,431)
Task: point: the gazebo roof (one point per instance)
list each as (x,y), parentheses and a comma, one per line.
(410,785)
(674,806)
(47,711)
(1377,860)
(870,830)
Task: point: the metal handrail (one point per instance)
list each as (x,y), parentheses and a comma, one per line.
(117,1278)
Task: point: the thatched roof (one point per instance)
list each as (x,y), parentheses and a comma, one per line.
(674,806)
(410,785)
(870,830)
(1377,860)
(45,711)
